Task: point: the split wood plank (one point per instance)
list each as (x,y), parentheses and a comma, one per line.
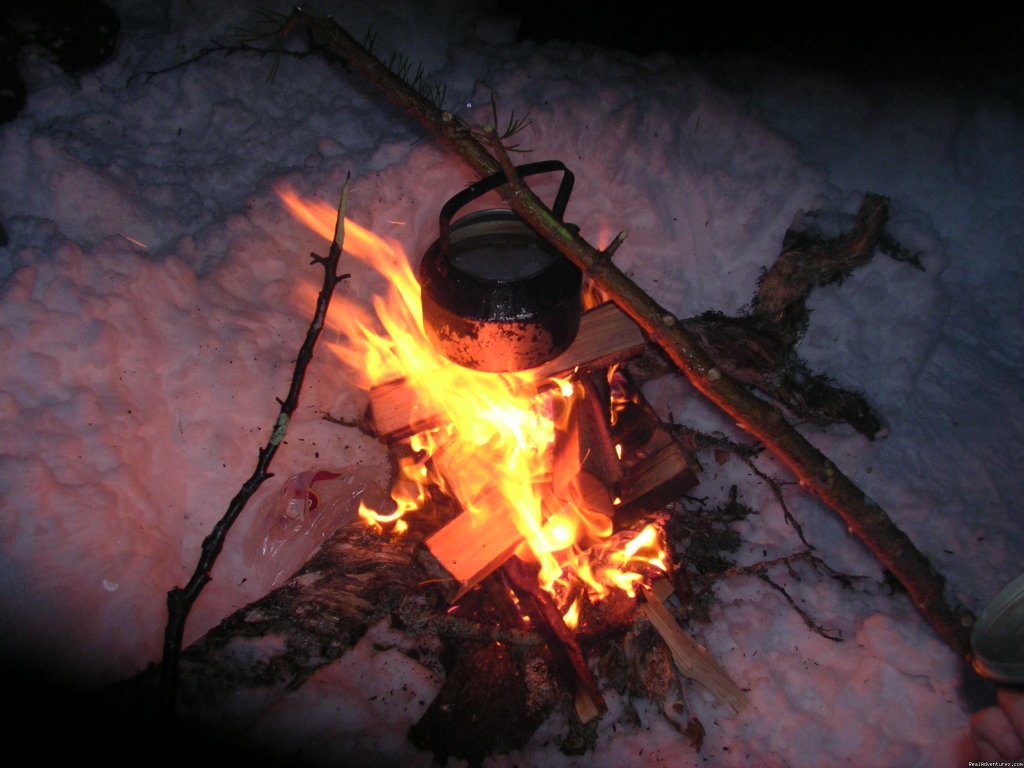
(475,544)
(585,469)
(606,336)
(662,477)
(690,657)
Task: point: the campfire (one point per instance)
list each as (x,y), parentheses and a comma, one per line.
(537,527)
(532,527)
(557,475)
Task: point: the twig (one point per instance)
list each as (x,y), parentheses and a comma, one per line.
(181,599)
(776,489)
(613,246)
(358,424)
(760,570)
(228,50)
(811,623)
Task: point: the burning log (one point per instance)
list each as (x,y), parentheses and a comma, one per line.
(566,651)
(656,469)
(586,472)
(586,469)
(606,336)
(474,545)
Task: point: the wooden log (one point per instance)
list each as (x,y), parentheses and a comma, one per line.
(585,468)
(595,428)
(475,544)
(657,472)
(656,469)
(657,480)
(606,336)
(267,648)
(691,658)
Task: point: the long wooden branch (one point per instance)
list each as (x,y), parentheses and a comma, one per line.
(765,422)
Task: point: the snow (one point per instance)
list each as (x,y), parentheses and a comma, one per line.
(151,305)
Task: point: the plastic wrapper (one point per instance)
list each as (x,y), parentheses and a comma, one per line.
(291,523)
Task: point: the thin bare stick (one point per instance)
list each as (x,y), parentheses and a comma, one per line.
(181,599)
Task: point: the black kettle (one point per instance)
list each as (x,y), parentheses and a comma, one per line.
(497,296)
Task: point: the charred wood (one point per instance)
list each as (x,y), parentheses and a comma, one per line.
(547,620)
(491,702)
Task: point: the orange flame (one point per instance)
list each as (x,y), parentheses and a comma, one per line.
(495,450)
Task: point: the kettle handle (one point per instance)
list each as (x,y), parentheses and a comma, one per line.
(483,186)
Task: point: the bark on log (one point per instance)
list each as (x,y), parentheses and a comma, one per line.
(267,648)
(765,422)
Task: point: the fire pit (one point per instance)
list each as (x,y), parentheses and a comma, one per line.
(557,473)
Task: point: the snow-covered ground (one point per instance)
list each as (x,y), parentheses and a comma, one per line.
(154,291)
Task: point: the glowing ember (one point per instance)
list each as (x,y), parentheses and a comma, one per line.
(494,452)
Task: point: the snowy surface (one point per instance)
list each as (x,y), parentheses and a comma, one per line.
(154,292)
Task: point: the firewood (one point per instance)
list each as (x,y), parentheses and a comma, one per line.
(691,658)
(658,479)
(589,427)
(586,469)
(475,544)
(656,469)
(606,336)
(565,650)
